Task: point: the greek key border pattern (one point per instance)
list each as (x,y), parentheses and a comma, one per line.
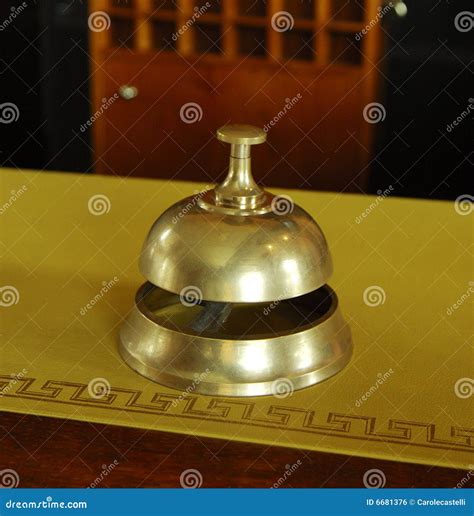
(240,411)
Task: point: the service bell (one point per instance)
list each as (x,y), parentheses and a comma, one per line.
(236,301)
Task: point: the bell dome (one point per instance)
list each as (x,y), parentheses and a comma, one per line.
(237,242)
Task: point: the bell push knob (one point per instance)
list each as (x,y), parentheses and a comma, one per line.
(239,190)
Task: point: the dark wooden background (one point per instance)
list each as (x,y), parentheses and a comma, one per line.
(50,452)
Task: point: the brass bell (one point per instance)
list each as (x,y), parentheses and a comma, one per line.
(236,301)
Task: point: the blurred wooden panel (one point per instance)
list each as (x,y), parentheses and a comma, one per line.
(302,70)
(168,129)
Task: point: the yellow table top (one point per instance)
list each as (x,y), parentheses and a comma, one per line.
(403,271)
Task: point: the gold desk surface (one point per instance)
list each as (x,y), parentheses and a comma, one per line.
(402,269)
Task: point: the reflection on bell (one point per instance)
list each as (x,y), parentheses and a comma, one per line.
(236,301)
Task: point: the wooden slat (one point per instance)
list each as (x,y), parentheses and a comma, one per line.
(323,39)
(143,35)
(350,27)
(185,43)
(101,39)
(274,38)
(229,29)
